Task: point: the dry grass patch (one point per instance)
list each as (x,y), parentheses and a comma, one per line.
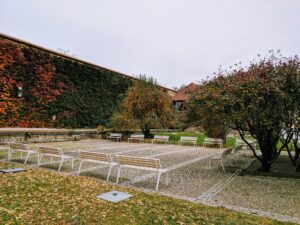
(38,196)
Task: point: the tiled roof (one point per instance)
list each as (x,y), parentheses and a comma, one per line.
(182,95)
(5,36)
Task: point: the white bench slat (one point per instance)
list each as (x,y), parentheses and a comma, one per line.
(139,137)
(142,163)
(213,141)
(188,139)
(50,151)
(241,142)
(55,152)
(138,161)
(163,138)
(18,146)
(116,136)
(95,156)
(23,148)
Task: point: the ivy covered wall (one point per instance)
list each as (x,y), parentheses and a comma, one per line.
(55,91)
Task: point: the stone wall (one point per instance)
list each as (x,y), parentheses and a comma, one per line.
(33,136)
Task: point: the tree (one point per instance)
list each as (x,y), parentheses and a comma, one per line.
(145,106)
(259,100)
(291,136)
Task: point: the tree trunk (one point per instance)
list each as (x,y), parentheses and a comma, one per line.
(269,153)
(298,166)
(265,166)
(146,132)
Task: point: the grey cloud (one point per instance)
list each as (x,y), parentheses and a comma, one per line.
(176,41)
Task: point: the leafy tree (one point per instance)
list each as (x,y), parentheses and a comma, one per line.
(145,106)
(260,100)
(291,136)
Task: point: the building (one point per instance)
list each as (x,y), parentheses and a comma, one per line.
(180,99)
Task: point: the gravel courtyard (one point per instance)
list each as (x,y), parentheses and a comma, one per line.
(189,175)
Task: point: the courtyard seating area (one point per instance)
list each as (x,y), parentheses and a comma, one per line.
(195,173)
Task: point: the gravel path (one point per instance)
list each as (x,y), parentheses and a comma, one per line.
(278,195)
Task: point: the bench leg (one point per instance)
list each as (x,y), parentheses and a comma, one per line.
(61,162)
(9,155)
(40,160)
(209,164)
(118,176)
(221,161)
(109,171)
(72,163)
(167,179)
(157,182)
(80,164)
(38,157)
(27,157)
(235,160)
(230,159)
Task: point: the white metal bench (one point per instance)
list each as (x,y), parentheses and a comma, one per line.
(96,157)
(140,163)
(56,153)
(186,139)
(220,157)
(23,148)
(137,137)
(115,136)
(160,138)
(4,148)
(240,142)
(213,141)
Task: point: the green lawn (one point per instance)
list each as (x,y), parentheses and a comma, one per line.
(38,196)
(175,136)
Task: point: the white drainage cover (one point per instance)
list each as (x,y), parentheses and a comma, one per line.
(114,196)
(12,170)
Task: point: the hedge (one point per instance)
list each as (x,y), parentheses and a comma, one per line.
(56,91)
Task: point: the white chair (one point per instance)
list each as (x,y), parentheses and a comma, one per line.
(140,163)
(137,137)
(95,157)
(160,138)
(55,153)
(213,141)
(240,142)
(22,148)
(220,157)
(115,136)
(186,139)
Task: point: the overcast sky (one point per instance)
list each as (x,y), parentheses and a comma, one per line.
(175,41)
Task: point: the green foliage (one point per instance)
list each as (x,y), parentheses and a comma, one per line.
(145,107)
(262,99)
(57,92)
(174,137)
(91,95)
